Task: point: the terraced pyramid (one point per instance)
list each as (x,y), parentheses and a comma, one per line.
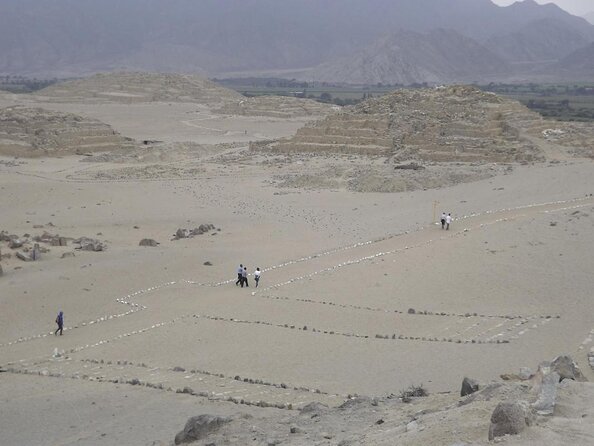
(31,132)
(443,124)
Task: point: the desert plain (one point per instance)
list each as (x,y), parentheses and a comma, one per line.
(362,293)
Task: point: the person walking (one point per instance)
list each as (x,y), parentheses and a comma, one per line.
(257,275)
(448,221)
(239,275)
(443,220)
(244,277)
(60,322)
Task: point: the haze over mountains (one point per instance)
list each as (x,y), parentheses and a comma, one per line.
(353,40)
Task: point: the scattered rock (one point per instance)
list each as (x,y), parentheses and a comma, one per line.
(469,386)
(508,418)
(15,243)
(200,427)
(188,233)
(24,257)
(207,263)
(545,404)
(567,369)
(148,242)
(89,244)
(295,430)
(67,255)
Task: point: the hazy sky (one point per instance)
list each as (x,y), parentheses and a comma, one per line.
(577,7)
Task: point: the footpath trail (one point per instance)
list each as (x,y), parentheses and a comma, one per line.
(83,353)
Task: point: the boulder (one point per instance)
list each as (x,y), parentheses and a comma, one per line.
(545,404)
(89,244)
(24,257)
(15,243)
(36,253)
(567,369)
(148,242)
(181,233)
(469,386)
(508,418)
(200,427)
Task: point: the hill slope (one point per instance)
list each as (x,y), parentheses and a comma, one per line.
(140,87)
(407,57)
(73,37)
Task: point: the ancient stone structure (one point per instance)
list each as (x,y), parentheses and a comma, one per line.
(32,132)
(458,123)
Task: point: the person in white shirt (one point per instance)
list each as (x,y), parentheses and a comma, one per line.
(257,275)
(443,220)
(448,221)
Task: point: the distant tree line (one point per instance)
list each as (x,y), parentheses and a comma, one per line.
(22,84)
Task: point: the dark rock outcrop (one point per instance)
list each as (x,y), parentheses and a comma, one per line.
(508,418)
(469,386)
(200,427)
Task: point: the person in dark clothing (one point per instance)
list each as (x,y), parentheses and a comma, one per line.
(244,276)
(60,322)
(239,275)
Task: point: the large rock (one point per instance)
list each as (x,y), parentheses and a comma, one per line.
(469,386)
(148,242)
(567,369)
(507,419)
(89,244)
(200,427)
(15,243)
(545,404)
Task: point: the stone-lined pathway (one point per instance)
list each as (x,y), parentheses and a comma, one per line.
(467,329)
(200,383)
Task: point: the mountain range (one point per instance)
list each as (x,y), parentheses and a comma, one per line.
(436,40)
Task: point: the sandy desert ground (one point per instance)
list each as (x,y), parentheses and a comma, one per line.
(509,285)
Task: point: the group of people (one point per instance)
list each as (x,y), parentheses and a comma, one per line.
(242,276)
(446,220)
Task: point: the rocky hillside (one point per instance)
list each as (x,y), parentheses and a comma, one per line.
(581,63)
(32,132)
(441,124)
(140,87)
(73,38)
(543,40)
(548,406)
(406,57)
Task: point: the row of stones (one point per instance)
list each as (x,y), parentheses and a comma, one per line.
(238,378)
(387,237)
(394,336)
(410,311)
(211,396)
(399,250)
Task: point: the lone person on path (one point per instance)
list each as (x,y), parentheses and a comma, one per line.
(257,275)
(239,275)
(443,220)
(244,278)
(60,322)
(448,221)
